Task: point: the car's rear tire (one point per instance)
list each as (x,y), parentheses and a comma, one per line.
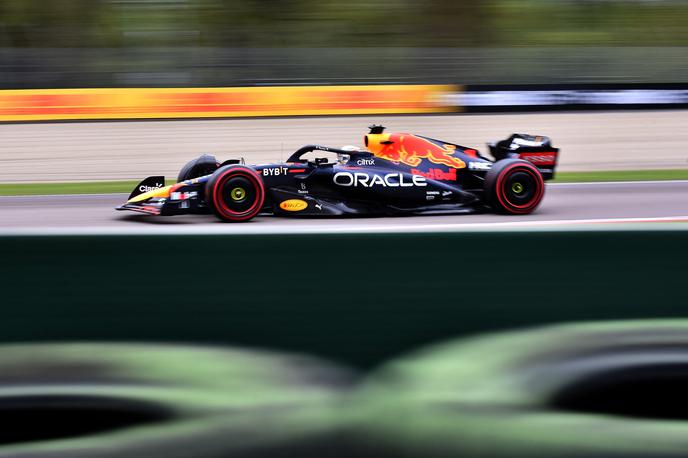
(514,186)
(199,167)
(235,193)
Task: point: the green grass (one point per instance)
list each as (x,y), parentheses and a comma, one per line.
(86,187)
(621,175)
(103,187)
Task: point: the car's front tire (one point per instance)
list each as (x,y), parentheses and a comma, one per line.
(235,193)
(201,166)
(514,186)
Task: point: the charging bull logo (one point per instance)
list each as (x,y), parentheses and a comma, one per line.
(411,150)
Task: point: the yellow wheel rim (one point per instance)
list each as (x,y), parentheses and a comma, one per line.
(237,193)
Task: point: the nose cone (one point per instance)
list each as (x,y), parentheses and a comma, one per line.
(376,142)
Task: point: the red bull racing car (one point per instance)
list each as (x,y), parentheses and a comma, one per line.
(397,174)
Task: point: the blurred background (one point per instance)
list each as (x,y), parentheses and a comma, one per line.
(125,43)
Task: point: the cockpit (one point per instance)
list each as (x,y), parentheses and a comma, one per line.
(310,154)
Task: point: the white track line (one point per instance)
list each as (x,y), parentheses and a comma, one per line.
(610,183)
(260,228)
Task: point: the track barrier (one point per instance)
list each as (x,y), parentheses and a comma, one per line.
(27,105)
(126,400)
(180,103)
(354,298)
(607,389)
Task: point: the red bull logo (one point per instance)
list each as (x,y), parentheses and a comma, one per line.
(437,174)
(410,149)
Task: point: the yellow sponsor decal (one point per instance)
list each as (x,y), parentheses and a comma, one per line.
(159,192)
(294,205)
(145,103)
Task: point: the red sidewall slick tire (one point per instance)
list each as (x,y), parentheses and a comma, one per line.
(246,182)
(514,186)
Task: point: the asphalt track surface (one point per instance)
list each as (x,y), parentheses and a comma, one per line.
(564,204)
(614,140)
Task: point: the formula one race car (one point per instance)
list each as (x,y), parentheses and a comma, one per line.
(399,174)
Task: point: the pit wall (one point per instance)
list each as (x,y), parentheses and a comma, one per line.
(357,299)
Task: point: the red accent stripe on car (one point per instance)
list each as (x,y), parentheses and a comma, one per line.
(540,158)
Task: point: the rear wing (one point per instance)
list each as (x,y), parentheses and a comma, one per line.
(536,149)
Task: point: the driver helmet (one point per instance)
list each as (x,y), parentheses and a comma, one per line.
(344,158)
